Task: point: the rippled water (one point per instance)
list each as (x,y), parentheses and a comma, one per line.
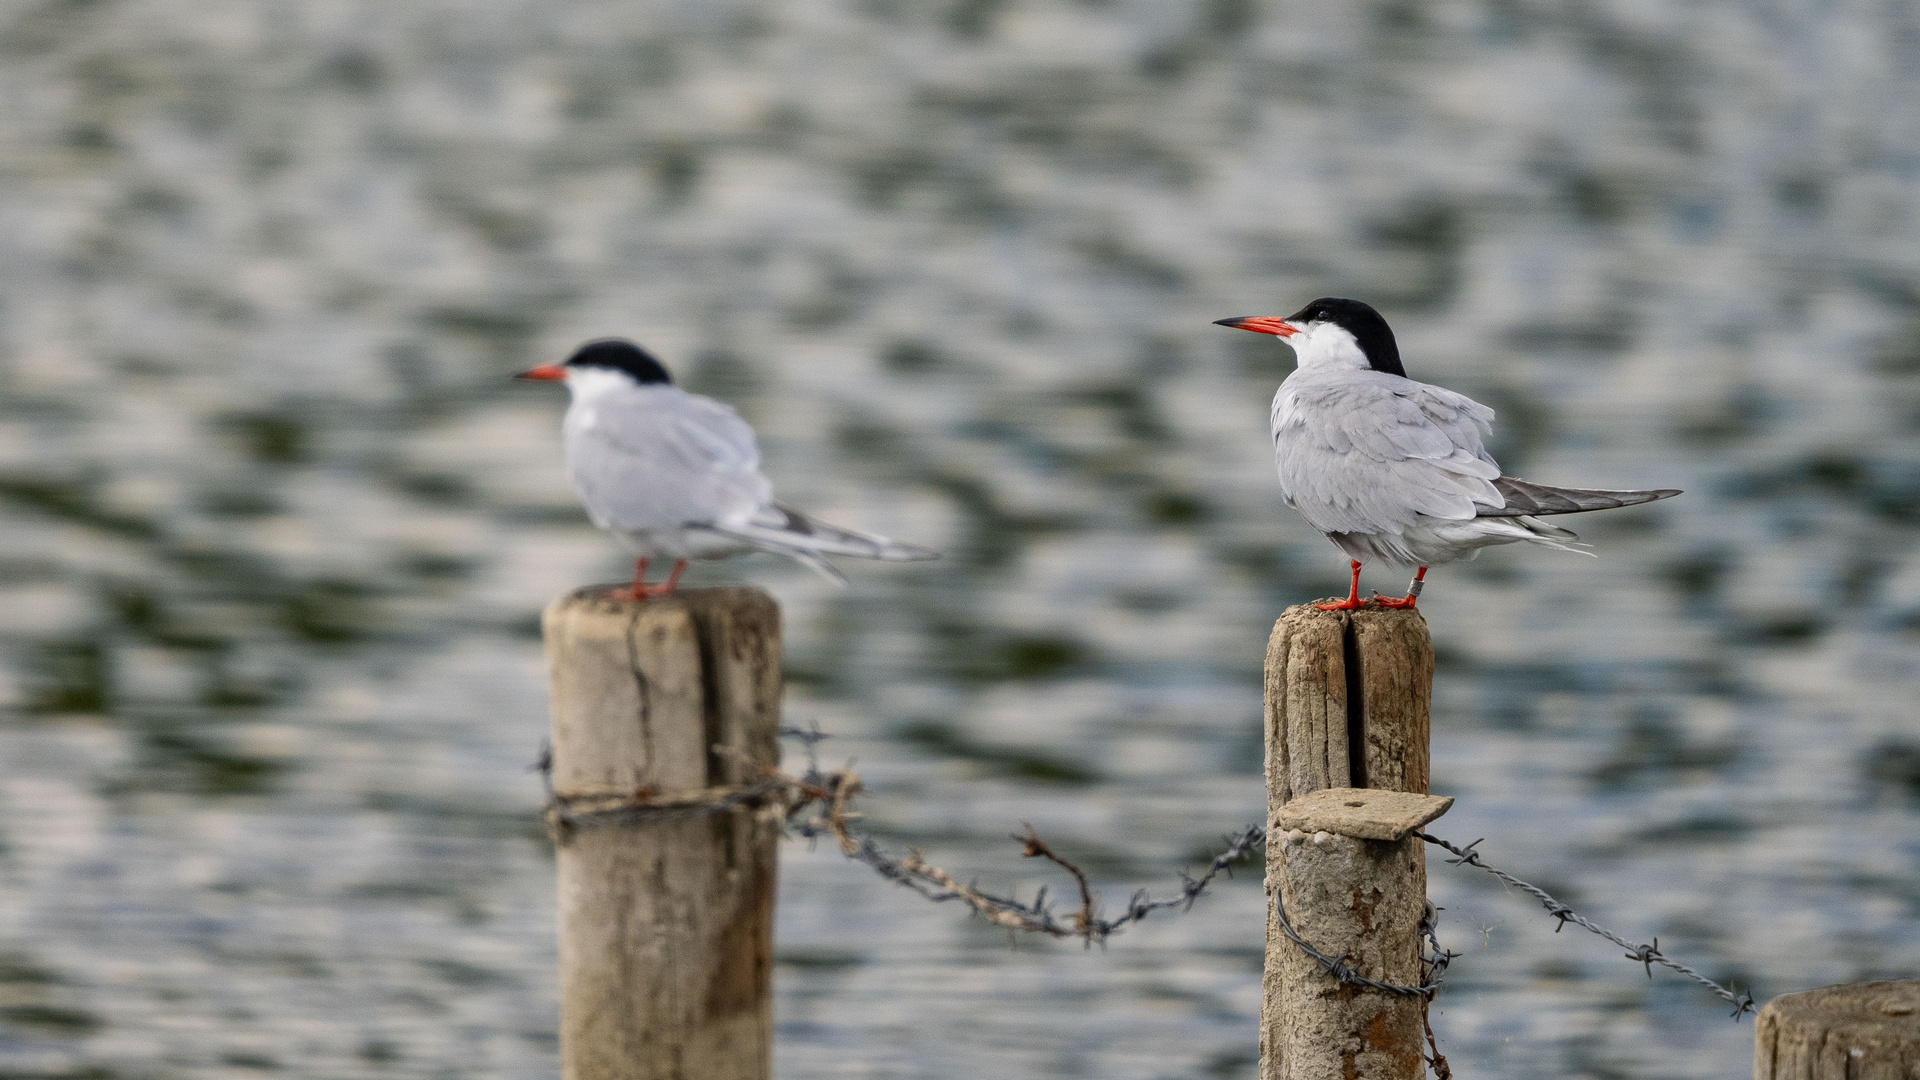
(276,529)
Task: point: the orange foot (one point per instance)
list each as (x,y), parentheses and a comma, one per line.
(1413,593)
(1353,593)
(1351,603)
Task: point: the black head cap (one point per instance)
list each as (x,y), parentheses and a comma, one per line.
(1364,323)
(620,355)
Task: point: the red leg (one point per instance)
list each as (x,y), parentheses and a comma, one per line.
(639,589)
(643,591)
(1413,592)
(1353,594)
(673,579)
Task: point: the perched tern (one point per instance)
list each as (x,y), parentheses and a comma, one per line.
(1393,469)
(676,475)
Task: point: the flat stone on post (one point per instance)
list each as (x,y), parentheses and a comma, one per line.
(1362,813)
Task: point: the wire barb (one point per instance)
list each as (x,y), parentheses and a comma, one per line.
(1647,954)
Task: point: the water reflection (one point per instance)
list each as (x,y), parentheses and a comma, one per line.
(276,527)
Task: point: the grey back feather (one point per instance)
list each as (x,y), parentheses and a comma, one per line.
(1369,452)
(657,457)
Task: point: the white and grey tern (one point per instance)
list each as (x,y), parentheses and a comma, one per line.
(676,475)
(1394,470)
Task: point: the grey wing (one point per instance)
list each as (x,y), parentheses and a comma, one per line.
(1368,452)
(1522,499)
(661,458)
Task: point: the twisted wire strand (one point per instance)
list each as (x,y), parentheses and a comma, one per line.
(1647,954)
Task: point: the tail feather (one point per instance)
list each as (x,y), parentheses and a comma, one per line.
(756,540)
(791,527)
(786,531)
(1552,536)
(814,563)
(1535,500)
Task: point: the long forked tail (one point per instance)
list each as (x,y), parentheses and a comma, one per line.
(1538,500)
(786,531)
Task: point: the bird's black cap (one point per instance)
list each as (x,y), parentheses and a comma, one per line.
(620,355)
(1365,324)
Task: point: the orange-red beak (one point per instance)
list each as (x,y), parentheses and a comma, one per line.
(548,372)
(1261,324)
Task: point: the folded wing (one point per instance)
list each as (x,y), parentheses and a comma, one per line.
(1368,452)
(661,458)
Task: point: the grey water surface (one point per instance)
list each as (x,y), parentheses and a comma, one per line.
(275,528)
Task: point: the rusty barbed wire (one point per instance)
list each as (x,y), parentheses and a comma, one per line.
(1647,954)
(832,792)
(829,795)
(567,812)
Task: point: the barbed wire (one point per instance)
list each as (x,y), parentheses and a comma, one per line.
(819,804)
(566,812)
(832,792)
(1345,972)
(1434,961)
(1647,954)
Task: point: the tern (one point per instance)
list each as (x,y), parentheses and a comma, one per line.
(1393,469)
(676,475)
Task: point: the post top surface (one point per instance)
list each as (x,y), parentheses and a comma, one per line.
(1887,1010)
(599,598)
(1368,612)
(1365,813)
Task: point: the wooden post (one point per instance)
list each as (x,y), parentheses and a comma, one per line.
(1354,888)
(1347,702)
(1860,1031)
(666,924)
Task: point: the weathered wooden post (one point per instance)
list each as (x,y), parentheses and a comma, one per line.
(1354,889)
(1860,1031)
(1347,706)
(661,709)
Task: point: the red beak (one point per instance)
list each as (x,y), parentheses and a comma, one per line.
(547,372)
(1261,324)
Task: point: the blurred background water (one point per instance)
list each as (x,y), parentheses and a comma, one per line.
(276,527)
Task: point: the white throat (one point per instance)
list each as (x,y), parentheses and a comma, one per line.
(1326,346)
(588,383)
